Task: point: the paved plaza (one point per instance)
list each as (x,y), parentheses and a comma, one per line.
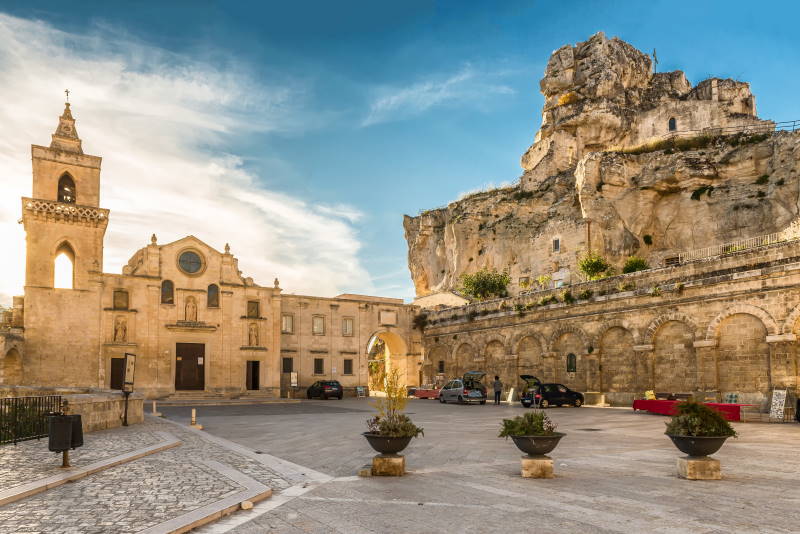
(615,472)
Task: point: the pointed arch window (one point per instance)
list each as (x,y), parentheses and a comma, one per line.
(673,125)
(167,292)
(64,267)
(66,189)
(572,363)
(212,300)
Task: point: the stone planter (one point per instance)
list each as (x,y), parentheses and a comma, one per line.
(698,445)
(537,445)
(387,444)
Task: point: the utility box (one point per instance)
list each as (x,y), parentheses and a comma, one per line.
(64,432)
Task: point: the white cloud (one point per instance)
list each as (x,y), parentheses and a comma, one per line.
(397,103)
(160,122)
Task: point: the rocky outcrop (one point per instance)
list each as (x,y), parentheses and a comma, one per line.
(626,161)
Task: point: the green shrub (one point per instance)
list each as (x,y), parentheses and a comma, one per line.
(648,239)
(522,195)
(763,179)
(550,299)
(535,423)
(626,286)
(593,266)
(472,315)
(566,296)
(655,291)
(485,284)
(586,294)
(633,264)
(695,419)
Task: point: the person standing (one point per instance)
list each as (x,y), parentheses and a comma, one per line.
(498,388)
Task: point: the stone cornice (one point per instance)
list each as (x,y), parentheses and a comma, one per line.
(62,212)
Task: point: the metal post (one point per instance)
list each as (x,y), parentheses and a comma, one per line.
(125,416)
(65,459)
(194,417)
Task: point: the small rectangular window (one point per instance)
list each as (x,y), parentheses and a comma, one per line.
(441,367)
(120,299)
(253,309)
(347,326)
(348,367)
(288,365)
(319,366)
(556,245)
(318,325)
(287,324)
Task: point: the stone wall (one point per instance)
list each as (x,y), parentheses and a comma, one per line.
(714,326)
(99,409)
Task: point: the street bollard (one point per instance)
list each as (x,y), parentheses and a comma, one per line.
(156,413)
(194,420)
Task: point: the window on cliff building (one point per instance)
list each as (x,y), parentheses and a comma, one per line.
(66,189)
(167,292)
(673,125)
(556,245)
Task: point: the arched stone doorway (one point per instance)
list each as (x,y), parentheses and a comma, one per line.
(387,351)
(464,360)
(437,368)
(743,355)
(11,368)
(674,361)
(494,362)
(568,343)
(616,362)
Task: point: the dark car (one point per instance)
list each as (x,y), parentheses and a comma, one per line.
(325,389)
(546,395)
(465,390)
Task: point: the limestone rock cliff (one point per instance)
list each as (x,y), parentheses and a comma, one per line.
(626,161)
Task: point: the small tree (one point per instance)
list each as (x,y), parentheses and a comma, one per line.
(635,263)
(485,284)
(593,266)
(544,281)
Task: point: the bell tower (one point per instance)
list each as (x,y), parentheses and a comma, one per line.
(64,225)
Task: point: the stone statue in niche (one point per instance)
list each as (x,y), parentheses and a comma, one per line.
(120,330)
(252,335)
(191,310)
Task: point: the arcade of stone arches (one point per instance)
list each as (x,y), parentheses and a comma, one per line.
(742,350)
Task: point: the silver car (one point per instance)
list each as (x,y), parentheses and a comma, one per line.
(464,390)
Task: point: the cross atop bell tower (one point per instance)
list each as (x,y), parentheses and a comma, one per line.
(66,136)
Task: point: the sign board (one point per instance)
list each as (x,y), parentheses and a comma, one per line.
(293,379)
(130,367)
(776,410)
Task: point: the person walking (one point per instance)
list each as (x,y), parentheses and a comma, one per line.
(498,388)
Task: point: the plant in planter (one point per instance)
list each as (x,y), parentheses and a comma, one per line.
(391,430)
(698,430)
(533,433)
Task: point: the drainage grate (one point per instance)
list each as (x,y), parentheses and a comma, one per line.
(591,429)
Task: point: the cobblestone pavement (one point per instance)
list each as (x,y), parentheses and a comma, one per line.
(139,494)
(30,460)
(615,472)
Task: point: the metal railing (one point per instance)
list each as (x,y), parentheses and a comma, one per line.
(790,233)
(758,127)
(24,418)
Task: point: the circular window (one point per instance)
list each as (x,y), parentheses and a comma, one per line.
(190,262)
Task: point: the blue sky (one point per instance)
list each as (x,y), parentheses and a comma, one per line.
(355,112)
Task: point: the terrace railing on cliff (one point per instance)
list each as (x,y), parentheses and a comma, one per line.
(791,233)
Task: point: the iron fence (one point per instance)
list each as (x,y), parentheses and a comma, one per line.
(24,418)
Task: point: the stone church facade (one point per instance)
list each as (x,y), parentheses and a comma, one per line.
(194,321)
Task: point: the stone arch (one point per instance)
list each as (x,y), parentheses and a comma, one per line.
(655,324)
(568,341)
(514,344)
(66,189)
(674,358)
(438,353)
(395,354)
(791,320)
(766,319)
(64,260)
(494,358)
(617,323)
(569,329)
(11,367)
(464,355)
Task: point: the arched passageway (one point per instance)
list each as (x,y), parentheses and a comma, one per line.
(387,351)
(11,368)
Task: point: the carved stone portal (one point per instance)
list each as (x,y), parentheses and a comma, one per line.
(191,310)
(252,335)
(120,330)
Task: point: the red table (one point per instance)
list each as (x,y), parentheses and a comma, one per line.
(731,412)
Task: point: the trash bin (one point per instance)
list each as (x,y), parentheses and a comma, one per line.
(64,432)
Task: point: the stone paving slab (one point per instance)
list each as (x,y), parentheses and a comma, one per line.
(201,475)
(30,460)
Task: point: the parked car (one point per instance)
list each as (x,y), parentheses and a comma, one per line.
(325,389)
(464,390)
(546,395)
(428,391)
